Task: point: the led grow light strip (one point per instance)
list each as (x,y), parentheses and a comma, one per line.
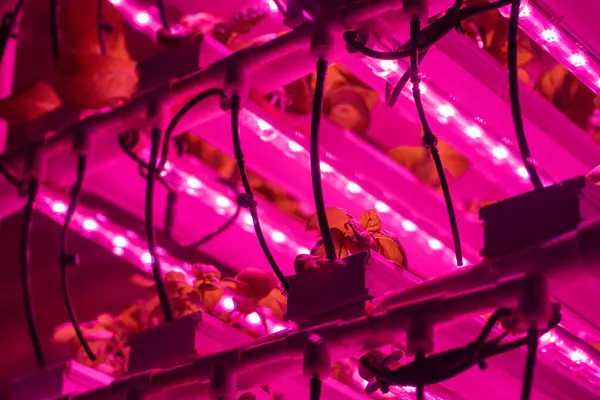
(133,248)
(448,112)
(130,246)
(183,179)
(540,26)
(147,20)
(349,188)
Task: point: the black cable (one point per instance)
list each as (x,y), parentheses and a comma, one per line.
(532,346)
(101,27)
(163,14)
(246,199)
(450,363)
(316,387)
(315,163)
(54,29)
(32,190)
(170,220)
(66,259)
(515,105)
(392,95)
(430,140)
(172,201)
(150,234)
(10,178)
(187,107)
(430,34)
(6,28)
(420,389)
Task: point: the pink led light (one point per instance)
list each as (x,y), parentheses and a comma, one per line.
(326,168)
(545,30)
(90,225)
(550,35)
(382,207)
(278,237)
(222,201)
(228,303)
(115,2)
(435,244)
(446,111)
(474,132)
(409,226)
(118,251)
(578,356)
(353,187)
(278,328)
(500,152)
(578,60)
(254,318)
(146,258)
(295,147)
(59,207)
(120,241)
(267,132)
(303,250)
(193,182)
(248,219)
(143,18)
(273,6)
(522,172)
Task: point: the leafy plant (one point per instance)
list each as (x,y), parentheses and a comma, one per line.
(351,236)
(252,290)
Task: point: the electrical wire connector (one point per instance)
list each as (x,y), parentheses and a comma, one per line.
(416,9)
(69,260)
(317,359)
(237,79)
(321,42)
(430,142)
(246,201)
(419,337)
(222,383)
(534,304)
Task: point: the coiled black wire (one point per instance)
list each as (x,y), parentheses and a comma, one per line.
(247,198)
(66,259)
